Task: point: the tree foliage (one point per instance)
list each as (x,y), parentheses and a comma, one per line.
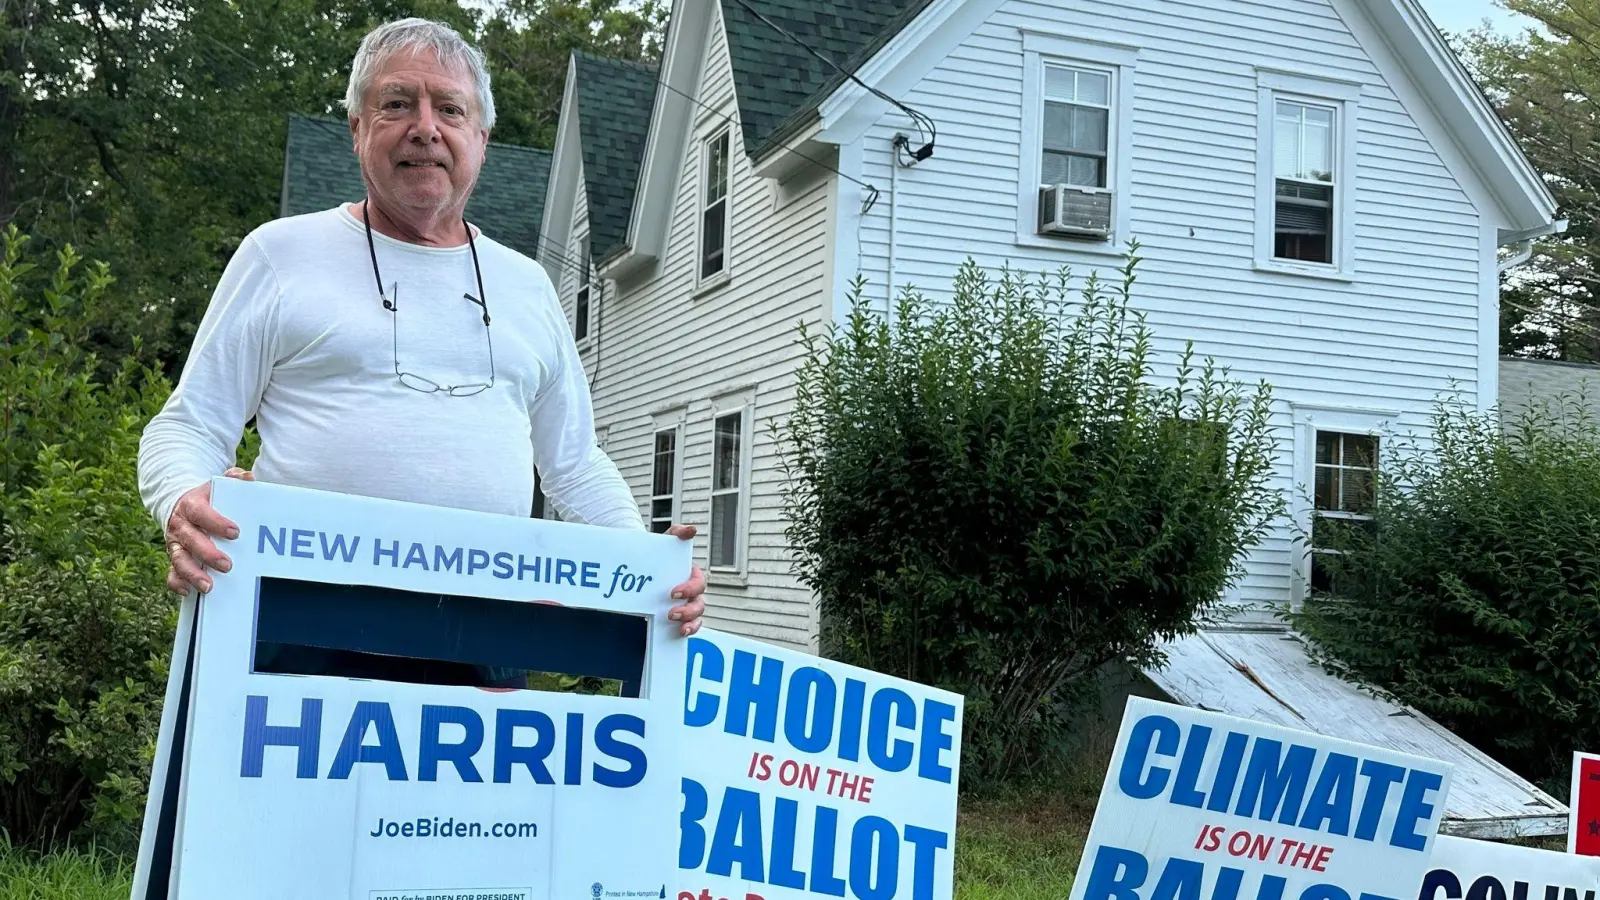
(1544,82)
(993,497)
(153,134)
(1474,592)
(85,623)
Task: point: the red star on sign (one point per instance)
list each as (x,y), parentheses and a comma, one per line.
(1586,805)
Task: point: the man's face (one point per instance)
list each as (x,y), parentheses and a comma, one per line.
(419,134)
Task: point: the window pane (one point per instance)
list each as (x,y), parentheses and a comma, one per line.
(725,453)
(711,240)
(717,170)
(1321,579)
(1361,450)
(665,460)
(1080,128)
(1066,168)
(1356,491)
(1077,85)
(1085,171)
(1325,495)
(1327,448)
(1303,142)
(725,530)
(581,314)
(661,509)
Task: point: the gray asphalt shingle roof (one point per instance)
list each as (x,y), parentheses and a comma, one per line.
(614,100)
(320,171)
(779,82)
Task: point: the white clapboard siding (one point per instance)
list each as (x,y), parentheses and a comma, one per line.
(1404,332)
(661,347)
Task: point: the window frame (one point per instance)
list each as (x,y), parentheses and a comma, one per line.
(1309,421)
(1119,61)
(666,423)
(702,206)
(743,405)
(1343,99)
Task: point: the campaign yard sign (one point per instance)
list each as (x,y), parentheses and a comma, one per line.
(1197,805)
(359,788)
(1465,869)
(808,779)
(1583,819)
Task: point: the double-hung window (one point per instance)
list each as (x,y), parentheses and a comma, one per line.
(580,316)
(727,457)
(1305,158)
(1077,126)
(731,430)
(1344,481)
(1074,174)
(1303,138)
(714,219)
(664,479)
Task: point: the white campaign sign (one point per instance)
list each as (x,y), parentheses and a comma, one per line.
(1483,870)
(809,779)
(1197,804)
(318,787)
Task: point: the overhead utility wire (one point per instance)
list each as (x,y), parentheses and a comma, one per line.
(919,119)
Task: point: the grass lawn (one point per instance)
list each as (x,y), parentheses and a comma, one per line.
(1018,848)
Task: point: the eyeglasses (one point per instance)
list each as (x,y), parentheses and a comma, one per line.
(427,385)
(412,380)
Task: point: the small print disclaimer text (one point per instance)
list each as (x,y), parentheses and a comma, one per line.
(476,894)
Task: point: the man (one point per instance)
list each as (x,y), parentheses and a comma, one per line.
(386,348)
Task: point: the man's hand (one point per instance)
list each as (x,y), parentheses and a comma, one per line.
(189,537)
(689,593)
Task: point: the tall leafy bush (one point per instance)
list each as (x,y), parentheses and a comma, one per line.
(1474,592)
(996,496)
(85,621)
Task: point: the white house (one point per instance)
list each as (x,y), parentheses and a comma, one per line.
(1322,194)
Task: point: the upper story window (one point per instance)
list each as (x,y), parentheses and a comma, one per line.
(1077,126)
(1305,179)
(580,315)
(715,180)
(1074,181)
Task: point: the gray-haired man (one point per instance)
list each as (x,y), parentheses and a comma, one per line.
(386,348)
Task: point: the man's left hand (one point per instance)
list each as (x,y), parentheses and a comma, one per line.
(690,593)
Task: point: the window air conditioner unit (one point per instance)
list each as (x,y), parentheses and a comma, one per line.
(1083,212)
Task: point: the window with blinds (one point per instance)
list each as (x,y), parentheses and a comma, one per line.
(1304,181)
(1077,126)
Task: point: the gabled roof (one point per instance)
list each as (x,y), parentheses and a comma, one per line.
(614,99)
(320,171)
(778,82)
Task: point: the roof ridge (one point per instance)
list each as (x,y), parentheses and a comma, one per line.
(615,61)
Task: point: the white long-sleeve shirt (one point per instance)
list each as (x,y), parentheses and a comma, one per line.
(297,337)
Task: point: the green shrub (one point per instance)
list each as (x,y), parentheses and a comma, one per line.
(85,620)
(991,495)
(1474,592)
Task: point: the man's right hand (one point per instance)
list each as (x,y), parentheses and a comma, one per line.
(189,538)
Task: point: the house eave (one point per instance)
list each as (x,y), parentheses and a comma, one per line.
(1518,189)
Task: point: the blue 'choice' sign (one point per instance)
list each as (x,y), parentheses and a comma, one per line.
(813,779)
(1201,806)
